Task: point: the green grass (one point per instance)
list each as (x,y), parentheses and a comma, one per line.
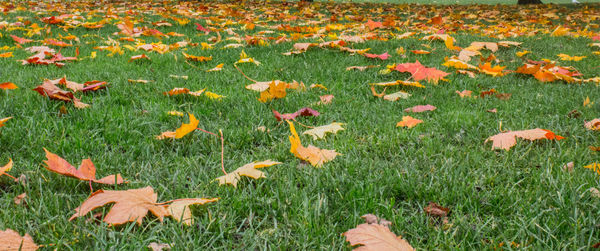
(520,196)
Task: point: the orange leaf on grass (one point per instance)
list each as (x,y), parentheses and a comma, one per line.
(408,121)
(86,171)
(6,54)
(11,240)
(20,40)
(464,93)
(3,120)
(276,90)
(594,125)
(420,72)
(8,86)
(315,156)
(181,131)
(495,71)
(383,56)
(6,167)
(508,139)
(49,89)
(421,52)
(304,112)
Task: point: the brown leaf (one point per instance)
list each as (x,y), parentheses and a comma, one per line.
(130,205)
(19,199)
(86,171)
(434,209)
(304,112)
(11,240)
(375,237)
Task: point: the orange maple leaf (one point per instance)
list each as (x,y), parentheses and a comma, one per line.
(507,140)
(86,171)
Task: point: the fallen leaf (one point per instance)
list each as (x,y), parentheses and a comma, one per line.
(434,209)
(594,167)
(212,95)
(420,72)
(3,120)
(183,130)
(304,112)
(594,192)
(565,57)
(6,167)
(320,131)
(219,67)
(196,58)
(507,140)
(19,199)
(420,108)
(175,113)
(138,57)
(130,205)
(408,121)
(86,171)
(11,240)
(49,89)
(383,56)
(361,68)
(399,82)
(594,125)
(276,90)
(315,156)
(8,86)
(180,209)
(325,99)
(142,81)
(464,93)
(248,170)
(159,246)
(587,103)
(492,110)
(320,86)
(375,237)
(396,95)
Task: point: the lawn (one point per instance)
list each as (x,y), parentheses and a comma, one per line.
(520,198)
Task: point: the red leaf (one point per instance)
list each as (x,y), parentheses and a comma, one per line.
(383,56)
(306,111)
(201,28)
(420,108)
(420,72)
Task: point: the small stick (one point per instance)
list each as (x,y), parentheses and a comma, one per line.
(244,74)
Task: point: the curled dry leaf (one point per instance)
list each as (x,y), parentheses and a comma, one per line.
(3,120)
(464,93)
(180,209)
(408,121)
(320,131)
(420,108)
(11,240)
(303,112)
(49,89)
(138,57)
(8,86)
(434,209)
(19,199)
(315,156)
(248,170)
(183,130)
(507,140)
(594,125)
(86,171)
(375,237)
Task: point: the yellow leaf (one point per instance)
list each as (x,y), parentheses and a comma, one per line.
(248,170)
(315,156)
(213,95)
(408,121)
(187,128)
(175,113)
(6,167)
(320,131)
(2,121)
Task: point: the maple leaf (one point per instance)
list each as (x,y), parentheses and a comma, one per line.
(304,112)
(245,59)
(201,28)
(320,131)
(458,64)
(11,240)
(86,171)
(565,57)
(196,58)
(493,71)
(219,67)
(183,130)
(522,53)
(420,72)
(507,140)
(276,90)
(3,120)
(420,108)
(130,205)
(180,209)
(408,121)
(49,89)
(434,209)
(6,54)
(212,95)
(248,170)
(594,124)
(8,86)
(21,40)
(376,237)
(383,56)
(315,156)
(373,25)
(325,99)
(420,52)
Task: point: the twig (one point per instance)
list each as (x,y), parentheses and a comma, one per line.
(244,74)
(202,130)
(304,124)
(222,151)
